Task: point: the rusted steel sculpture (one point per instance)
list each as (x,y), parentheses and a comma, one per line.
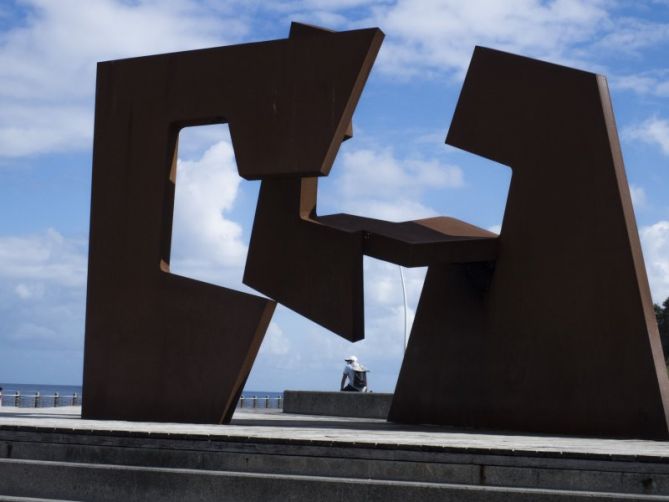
(547,327)
(313,264)
(562,337)
(164,347)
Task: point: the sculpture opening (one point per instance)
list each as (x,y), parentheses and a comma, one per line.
(212,206)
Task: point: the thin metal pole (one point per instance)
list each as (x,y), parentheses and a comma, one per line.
(404,295)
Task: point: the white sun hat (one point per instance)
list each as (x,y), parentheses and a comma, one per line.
(358,367)
(352,359)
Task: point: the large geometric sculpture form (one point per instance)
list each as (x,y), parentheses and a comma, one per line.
(562,337)
(163,347)
(313,264)
(547,327)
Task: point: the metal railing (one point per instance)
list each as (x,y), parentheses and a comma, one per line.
(260,402)
(38,400)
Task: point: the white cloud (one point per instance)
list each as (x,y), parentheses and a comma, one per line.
(27,291)
(639,83)
(385,308)
(631,35)
(655,83)
(308,8)
(47,257)
(654,131)
(382,282)
(23,291)
(204,239)
(655,241)
(34,128)
(436,37)
(47,64)
(330,14)
(375,183)
(336,5)
(42,291)
(331,20)
(389,210)
(439,35)
(276,343)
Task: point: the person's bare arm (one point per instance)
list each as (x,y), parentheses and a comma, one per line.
(343,379)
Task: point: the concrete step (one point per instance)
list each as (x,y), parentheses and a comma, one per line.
(102,483)
(468,467)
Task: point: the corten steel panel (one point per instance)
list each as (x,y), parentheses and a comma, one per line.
(168,348)
(311,268)
(419,243)
(313,264)
(563,338)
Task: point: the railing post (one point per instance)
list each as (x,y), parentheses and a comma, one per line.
(241,402)
(37,399)
(278,403)
(55,399)
(17,399)
(74,399)
(255,401)
(266,401)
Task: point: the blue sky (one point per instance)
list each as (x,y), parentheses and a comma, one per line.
(395,168)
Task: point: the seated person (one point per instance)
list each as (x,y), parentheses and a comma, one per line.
(356,374)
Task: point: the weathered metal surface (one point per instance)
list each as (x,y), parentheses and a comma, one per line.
(547,328)
(313,264)
(163,347)
(563,338)
(419,243)
(313,269)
